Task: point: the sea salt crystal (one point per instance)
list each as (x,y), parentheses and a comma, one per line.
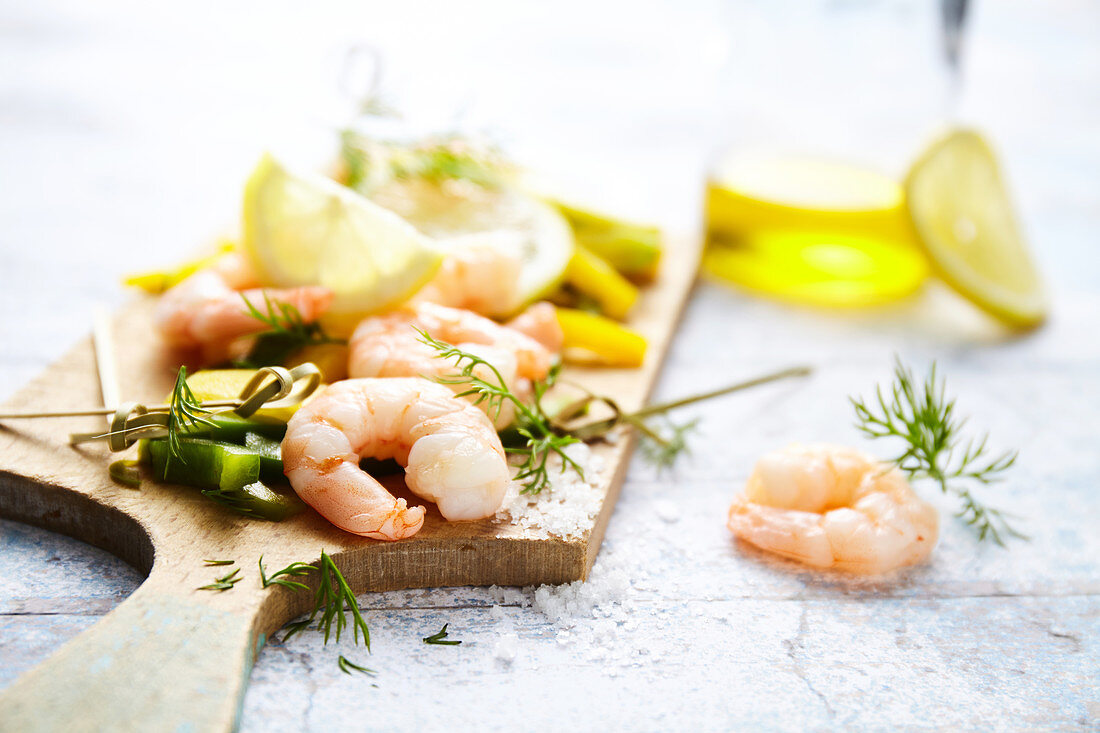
(567,507)
(666,511)
(506,647)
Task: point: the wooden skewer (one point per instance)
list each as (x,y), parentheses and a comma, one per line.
(106,411)
(105,359)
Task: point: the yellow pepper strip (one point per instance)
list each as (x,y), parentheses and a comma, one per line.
(632,249)
(592,276)
(160,280)
(593,339)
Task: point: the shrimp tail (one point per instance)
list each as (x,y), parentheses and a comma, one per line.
(398,523)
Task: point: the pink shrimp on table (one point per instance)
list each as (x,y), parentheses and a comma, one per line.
(208,308)
(834,507)
(477,277)
(389,346)
(450,450)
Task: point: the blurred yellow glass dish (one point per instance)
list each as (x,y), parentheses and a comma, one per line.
(811,231)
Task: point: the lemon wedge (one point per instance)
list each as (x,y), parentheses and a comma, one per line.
(458,215)
(964,221)
(302,229)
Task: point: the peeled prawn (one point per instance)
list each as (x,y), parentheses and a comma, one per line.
(834,507)
(449,449)
(477,277)
(389,346)
(207,308)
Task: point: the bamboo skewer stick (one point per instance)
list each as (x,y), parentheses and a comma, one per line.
(103,411)
(105,359)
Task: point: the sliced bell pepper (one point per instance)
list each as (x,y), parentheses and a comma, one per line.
(594,277)
(271,456)
(227,473)
(632,249)
(594,339)
(158,281)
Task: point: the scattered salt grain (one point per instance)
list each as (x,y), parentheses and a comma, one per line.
(667,511)
(568,506)
(506,647)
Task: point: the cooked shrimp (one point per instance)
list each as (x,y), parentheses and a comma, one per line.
(389,346)
(540,322)
(449,449)
(207,307)
(834,507)
(475,276)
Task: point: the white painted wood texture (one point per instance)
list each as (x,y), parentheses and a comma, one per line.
(124,133)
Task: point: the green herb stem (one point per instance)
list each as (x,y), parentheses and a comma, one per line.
(920,415)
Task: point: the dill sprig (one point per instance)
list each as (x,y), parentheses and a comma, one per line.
(287,332)
(373,163)
(440,638)
(224,583)
(333,600)
(347,667)
(185,414)
(921,415)
(282,577)
(541,440)
(215,563)
(662,448)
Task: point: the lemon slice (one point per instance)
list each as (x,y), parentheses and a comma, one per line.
(460,213)
(964,221)
(302,229)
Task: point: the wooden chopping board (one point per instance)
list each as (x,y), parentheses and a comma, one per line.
(171,657)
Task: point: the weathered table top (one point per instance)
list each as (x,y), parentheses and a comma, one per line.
(125,133)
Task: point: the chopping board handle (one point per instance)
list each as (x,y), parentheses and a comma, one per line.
(164,659)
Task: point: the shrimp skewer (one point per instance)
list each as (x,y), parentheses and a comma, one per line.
(207,308)
(450,451)
(834,507)
(389,346)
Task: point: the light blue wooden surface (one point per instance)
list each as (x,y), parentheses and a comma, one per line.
(125,133)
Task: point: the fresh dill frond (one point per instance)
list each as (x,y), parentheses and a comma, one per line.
(215,563)
(372,163)
(224,583)
(185,414)
(532,424)
(440,638)
(662,448)
(334,600)
(281,577)
(287,332)
(293,627)
(347,667)
(920,414)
